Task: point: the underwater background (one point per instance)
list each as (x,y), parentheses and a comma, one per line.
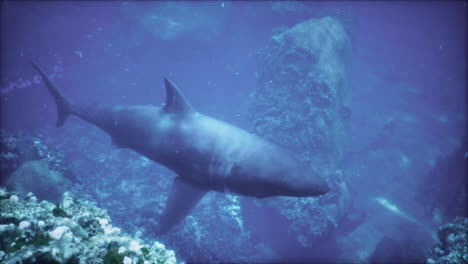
(372,95)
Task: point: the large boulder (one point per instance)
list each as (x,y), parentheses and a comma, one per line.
(35,176)
(18,147)
(301,100)
(301,103)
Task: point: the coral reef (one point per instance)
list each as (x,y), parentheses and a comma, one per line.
(453,243)
(69,232)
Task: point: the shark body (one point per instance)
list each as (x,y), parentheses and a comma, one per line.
(205,153)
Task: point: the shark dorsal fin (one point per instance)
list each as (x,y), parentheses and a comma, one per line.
(175,101)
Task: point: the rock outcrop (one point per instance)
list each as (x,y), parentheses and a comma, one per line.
(35,176)
(301,100)
(301,103)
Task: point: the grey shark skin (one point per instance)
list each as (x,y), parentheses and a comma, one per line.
(205,153)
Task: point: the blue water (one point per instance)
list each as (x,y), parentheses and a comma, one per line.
(406,80)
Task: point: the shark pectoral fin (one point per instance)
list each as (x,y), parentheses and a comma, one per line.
(182,198)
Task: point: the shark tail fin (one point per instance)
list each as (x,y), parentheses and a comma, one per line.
(64,106)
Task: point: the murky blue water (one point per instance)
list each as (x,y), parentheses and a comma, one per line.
(403,155)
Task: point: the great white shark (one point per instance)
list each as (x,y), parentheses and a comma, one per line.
(205,153)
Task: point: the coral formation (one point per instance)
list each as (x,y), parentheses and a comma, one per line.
(71,232)
(453,243)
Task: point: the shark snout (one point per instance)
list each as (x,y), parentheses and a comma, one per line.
(321,186)
(312,186)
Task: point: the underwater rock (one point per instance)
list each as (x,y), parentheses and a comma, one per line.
(302,90)
(298,104)
(30,232)
(453,243)
(390,250)
(389,234)
(35,176)
(17,148)
(302,223)
(444,191)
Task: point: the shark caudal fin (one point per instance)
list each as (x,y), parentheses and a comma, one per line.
(63,104)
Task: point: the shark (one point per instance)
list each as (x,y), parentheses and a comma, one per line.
(206,154)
